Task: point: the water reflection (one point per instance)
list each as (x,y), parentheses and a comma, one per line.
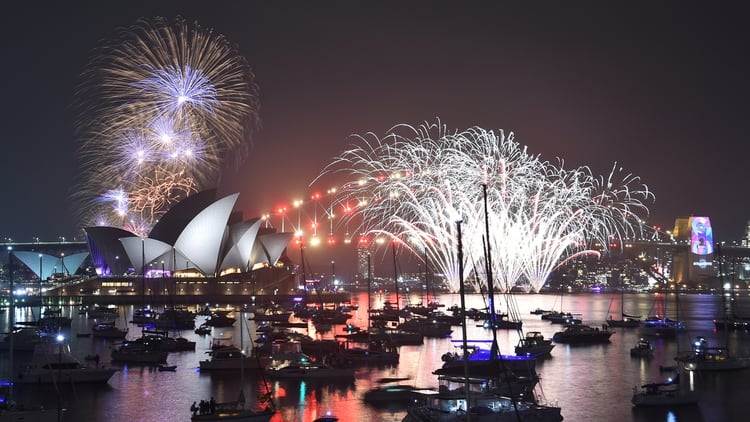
(589,382)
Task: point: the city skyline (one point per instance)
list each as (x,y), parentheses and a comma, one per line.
(642,85)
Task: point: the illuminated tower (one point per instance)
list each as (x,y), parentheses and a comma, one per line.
(362,253)
(696,264)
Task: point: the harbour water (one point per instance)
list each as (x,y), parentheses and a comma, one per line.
(589,383)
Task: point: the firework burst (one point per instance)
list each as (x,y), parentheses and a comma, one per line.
(160,108)
(418,181)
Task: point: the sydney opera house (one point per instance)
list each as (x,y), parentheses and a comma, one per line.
(200,247)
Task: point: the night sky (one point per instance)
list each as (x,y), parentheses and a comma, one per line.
(661,88)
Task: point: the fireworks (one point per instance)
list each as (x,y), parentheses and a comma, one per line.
(418,181)
(160,109)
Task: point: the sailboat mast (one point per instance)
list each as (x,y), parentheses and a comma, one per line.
(369,283)
(490,283)
(395,271)
(462,294)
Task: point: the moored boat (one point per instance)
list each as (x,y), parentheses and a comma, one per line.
(582,334)
(643,348)
(705,358)
(534,344)
(665,394)
(54,362)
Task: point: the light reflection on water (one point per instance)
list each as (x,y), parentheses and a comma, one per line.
(588,382)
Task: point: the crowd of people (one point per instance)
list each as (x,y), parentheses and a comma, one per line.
(205,407)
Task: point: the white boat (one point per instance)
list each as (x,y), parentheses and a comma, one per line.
(666,394)
(534,344)
(642,349)
(54,362)
(450,405)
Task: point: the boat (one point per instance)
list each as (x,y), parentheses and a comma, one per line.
(10,410)
(235,411)
(167,368)
(328,417)
(391,392)
(734,322)
(53,363)
(304,368)
(662,326)
(534,344)
(625,321)
(229,357)
(108,331)
(23,339)
(52,319)
(582,334)
(203,329)
(138,353)
(451,402)
(220,319)
(556,317)
(642,349)
(705,358)
(482,362)
(501,321)
(428,327)
(160,340)
(374,352)
(102,312)
(664,394)
(271,314)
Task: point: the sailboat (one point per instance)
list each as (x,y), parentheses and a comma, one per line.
(625,321)
(235,411)
(477,398)
(10,411)
(662,325)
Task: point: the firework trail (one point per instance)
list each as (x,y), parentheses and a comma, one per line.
(160,107)
(418,181)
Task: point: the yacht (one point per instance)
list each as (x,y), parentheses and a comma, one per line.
(304,368)
(449,404)
(229,357)
(54,362)
(582,334)
(131,352)
(535,345)
(705,358)
(24,339)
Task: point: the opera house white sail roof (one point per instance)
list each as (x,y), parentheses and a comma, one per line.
(195,234)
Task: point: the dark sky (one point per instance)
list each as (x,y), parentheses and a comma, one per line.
(661,88)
